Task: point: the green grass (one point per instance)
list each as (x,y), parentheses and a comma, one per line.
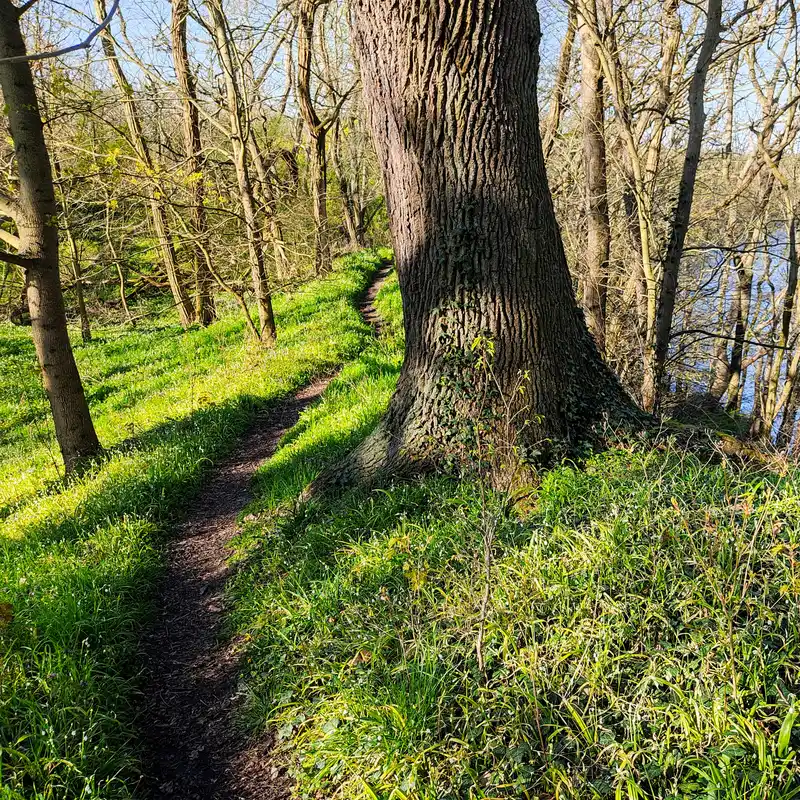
(642,631)
(77,560)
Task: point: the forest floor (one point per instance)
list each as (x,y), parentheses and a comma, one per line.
(639,621)
(192,673)
(80,559)
(631,630)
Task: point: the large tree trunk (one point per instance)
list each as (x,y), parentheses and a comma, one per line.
(193,146)
(498,356)
(34,212)
(598,244)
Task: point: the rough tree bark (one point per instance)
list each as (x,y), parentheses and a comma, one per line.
(598,224)
(193,146)
(451,92)
(35,214)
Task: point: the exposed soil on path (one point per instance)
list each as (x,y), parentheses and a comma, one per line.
(191,673)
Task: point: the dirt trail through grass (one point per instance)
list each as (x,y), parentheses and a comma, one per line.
(195,749)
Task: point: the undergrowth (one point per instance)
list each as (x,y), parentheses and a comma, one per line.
(642,632)
(77,559)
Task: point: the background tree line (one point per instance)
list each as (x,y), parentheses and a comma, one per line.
(191,172)
(218,149)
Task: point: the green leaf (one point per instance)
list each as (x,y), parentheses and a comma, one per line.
(785,732)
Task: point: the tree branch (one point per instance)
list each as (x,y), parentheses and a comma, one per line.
(18,261)
(10,239)
(703,334)
(8,208)
(64,50)
(25,6)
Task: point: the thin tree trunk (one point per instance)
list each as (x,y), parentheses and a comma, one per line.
(120,274)
(270,208)
(193,146)
(239,134)
(771,407)
(654,374)
(158,210)
(493,331)
(77,272)
(319,184)
(789,388)
(598,245)
(722,368)
(562,77)
(237,295)
(788,421)
(35,213)
(351,206)
(318,133)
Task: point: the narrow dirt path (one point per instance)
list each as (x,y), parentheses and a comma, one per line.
(191,673)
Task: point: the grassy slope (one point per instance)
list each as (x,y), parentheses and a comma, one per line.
(642,639)
(76,560)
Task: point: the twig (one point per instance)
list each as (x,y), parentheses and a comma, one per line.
(84,45)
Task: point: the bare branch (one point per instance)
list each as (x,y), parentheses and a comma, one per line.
(25,6)
(10,239)
(18,261)
(64,50)
(704,334)
(8,208)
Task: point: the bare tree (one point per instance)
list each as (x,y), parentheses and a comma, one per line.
(239,125)
(598,245)
(34,213)
(140,146)
(203,306)
(317,131)
(657,357)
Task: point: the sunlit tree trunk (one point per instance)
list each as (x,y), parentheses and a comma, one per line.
(318,134)
(80,299)
(193,146)
(35,215)
(239,135)
(657,359)
(494,336)
(598,244)
(273,227)
(562,80)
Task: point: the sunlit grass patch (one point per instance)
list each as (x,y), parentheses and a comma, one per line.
(642,635)
(78,560)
